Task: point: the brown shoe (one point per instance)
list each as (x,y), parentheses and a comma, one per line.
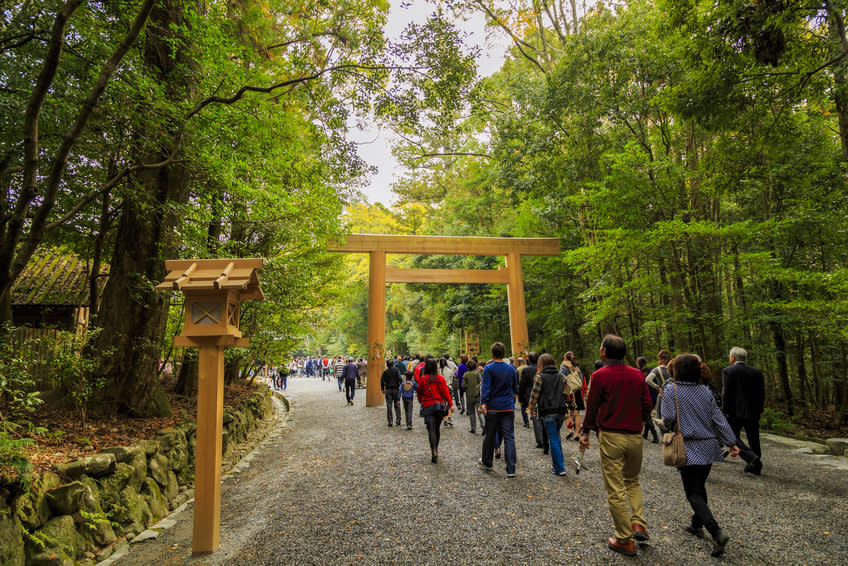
(639,532)
(625,548)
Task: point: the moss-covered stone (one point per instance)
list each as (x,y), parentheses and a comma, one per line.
(172,443)
(112,485)
(135,456)
(62,544)
(94,466)
(96,529)
(91,521)
(11,543)
(69,498)
(131,511)
(32,508)
(155,500)
(225,443)
(157,468)
(189,428)
(150,447)
(837,446)
(172,489)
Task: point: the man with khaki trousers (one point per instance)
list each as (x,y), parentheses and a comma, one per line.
(617,406)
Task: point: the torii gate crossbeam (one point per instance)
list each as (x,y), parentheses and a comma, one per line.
(378,245)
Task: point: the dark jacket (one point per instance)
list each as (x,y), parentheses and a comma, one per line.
(390,379)
(743,391)
(552,399)
(525,383)
(350,371)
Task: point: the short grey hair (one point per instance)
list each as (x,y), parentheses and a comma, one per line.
(739,353)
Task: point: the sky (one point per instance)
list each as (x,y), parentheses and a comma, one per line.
(375,143)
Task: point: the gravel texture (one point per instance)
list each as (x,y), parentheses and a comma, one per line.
(334,485)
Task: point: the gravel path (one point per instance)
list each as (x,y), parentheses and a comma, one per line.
(340,487)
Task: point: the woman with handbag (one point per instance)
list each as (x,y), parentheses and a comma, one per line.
(689,407)
(435,399)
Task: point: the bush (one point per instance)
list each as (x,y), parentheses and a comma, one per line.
(772,419)
(75,371)
(17,396)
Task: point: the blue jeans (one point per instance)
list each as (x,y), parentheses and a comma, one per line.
(552,425)
(503,423)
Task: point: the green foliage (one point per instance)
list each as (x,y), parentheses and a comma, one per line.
(92,520)
(75,370)
(775,420)
(38,538)
(15,467)
(17,398)
(697,189)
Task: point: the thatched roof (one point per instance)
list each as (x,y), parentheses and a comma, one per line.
(55,276)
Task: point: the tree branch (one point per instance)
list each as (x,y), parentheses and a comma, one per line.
(453,154)
(515,39)
(335,34)
(70,138)
(110,184)
(30,147)
(269,89)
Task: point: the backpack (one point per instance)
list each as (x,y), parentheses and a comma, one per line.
(574,381)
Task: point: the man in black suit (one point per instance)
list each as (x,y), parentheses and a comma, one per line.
(743,396)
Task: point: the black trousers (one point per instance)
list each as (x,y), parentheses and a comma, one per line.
(434,429)
(649,427)
(695,487)
(752,431)
(350,389)
(392,402)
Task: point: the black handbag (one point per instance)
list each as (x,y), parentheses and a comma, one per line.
(438,408)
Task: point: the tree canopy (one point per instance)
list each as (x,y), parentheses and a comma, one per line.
(690,156)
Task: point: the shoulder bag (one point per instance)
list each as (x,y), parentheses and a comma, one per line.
(673,447)
(439,408)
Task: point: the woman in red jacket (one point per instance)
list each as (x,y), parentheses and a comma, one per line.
(433,394)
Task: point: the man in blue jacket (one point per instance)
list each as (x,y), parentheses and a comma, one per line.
(498,393)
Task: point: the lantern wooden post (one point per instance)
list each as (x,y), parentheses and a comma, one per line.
(213,289)
(206,535)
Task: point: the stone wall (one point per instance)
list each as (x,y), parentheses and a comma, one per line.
(77,512)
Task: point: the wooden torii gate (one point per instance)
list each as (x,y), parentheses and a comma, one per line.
(379,274)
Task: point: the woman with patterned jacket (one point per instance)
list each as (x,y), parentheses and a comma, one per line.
(705,430)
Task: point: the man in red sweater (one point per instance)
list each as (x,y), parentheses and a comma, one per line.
(617,406)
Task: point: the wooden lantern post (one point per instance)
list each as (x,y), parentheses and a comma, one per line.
(213,289)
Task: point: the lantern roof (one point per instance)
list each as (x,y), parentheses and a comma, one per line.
(192,275)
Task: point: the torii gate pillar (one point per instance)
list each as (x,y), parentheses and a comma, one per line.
(376,326)
(517,309)
(377,246)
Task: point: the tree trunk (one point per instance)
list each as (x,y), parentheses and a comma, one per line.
(802,370)
(187,380)
(836,27)
(133,314)
(231,370)
(782,368)
(96,261)
(815,362)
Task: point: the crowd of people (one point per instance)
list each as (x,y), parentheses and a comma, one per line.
(616,401)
